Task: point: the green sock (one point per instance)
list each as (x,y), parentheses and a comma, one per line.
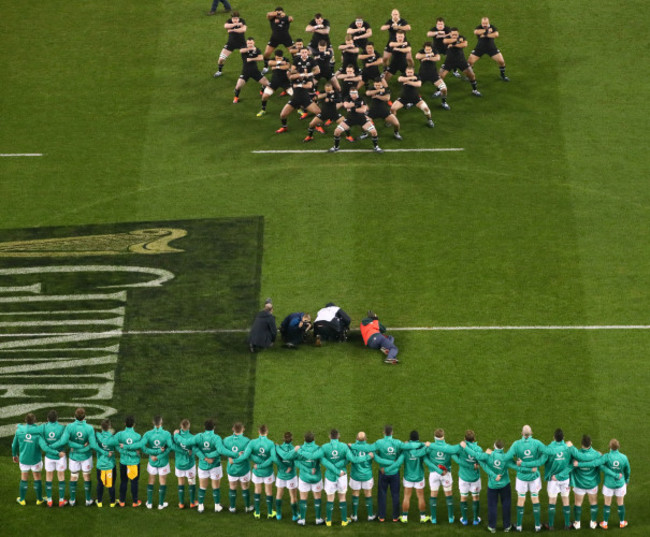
(621,513)
(303,509)
(606,510)
(247,497)
(567,515)
(181,494)
(355,505)
(88,490)
(216,496)
(278,505)
(256,501)
(520,516)
(73,491)
(38,487)
(162,490)
(149,493)
(232,497)
(551,515)
(593,512)
(22,490)
(318,508)
(294,509)
(201,495)
(269,504)
(48,490)
(577,512)
(192,493)
(369,505)
(433,507)
(61,490)
(329,507)
(450,507)
(537,514)
(405,514)
(463,509)
(476,504)
(343,506)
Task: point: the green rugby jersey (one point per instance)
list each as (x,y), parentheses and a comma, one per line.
(156,442)
(308,462)
(106,444)
(582,477)
(361,471)
(234,444)
(388,449)
(26,445)
(439,453)
(80,437)
(467,462)
(127,437)
(52,433)
(413,455)
(182,443)
(526,449)
(336,456)
(208,445)
(285,456)
(261,451)
(557,460)
(614,465)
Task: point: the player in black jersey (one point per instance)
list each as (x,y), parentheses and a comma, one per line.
(392,26)
(303,75)
(348,80)
(280,66)
(400,51)
(371,62)
(379,107)
(280,23)
(360,31)
(330,102)
(439,32)
(486,33)
(250,56)
(325,58)
(410,96)
(236,28)
(349,54)
(429,73)
(456,59)
(320,30)
(357,115)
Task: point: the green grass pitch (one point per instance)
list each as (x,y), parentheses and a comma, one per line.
(540,221)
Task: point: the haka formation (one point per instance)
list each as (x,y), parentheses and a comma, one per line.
(299,470)
(297,72)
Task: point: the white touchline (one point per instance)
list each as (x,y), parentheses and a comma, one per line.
(21,154)
(390,329)
(421,150)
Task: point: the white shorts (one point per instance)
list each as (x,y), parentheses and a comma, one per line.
(31,467)
(413,484)
(85,466)
(163,470)
(581,492)
(310,487)
(269,480)
(340,485)
(242,478)
(619,492)
(558,487)
(213,473)
(436,480)
(465,487)
(365,485)
(190,473)
(56,465)
(287,483)
(522,487)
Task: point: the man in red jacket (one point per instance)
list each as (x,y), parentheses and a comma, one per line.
(372,332)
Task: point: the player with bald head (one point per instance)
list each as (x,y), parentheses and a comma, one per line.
(361,477)
(527,449)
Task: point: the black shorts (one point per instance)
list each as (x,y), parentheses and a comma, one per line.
(300,99)
(461,65)
(397,65)
(233,46)
(325,73)
(388,49)
(275,84)
(276,41)
(369,75)
(255,75)
(489,50)
(410,101)
(381,114)
(356,119)
(429,77)
(332,116)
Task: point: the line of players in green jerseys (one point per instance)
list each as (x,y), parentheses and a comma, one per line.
(339,102)
(299,470)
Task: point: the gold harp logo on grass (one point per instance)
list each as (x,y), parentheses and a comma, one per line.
(142,241)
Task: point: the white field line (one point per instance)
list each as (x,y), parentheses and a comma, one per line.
(21,154)
(393,329)
(421,150)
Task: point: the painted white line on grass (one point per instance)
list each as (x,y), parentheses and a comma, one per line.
(393,329)
(21,154)
(421,150)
